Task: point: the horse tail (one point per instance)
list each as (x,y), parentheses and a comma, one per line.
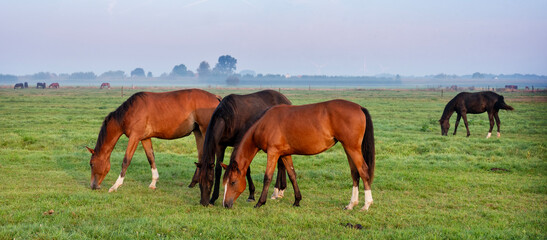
(500,104)
(367,146)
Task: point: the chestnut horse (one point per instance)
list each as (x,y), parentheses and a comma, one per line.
(234,115)
(167,115)
(305,130)
(105,85)
(473,103)
(53,85)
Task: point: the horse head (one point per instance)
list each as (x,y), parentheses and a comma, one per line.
(234,183)
(99,168)
(445,125)
(206,174)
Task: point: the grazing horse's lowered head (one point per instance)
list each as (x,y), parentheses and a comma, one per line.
(99,168)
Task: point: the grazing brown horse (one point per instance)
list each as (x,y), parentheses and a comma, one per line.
(232,118)
(105,85)
(305,130)
(168,115)
(19,85)
(41,85)
(53,85)
(473,103)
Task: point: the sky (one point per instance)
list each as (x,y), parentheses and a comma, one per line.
(309,37)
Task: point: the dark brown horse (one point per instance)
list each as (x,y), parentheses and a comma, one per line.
(168,115)
(19,85)
(305,130)
(473,103)
(53,85)
(232,118)
(105,85)
(41,85)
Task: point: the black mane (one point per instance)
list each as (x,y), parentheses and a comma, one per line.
(118,116)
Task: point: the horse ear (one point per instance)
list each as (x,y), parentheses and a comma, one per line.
(224,166)
(90,150)
(198,165)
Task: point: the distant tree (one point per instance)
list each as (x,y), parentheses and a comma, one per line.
(232,80)
(138,72)
(477,75)
(181,71)
(226,65)
(8,77)
(83,75)
(149,75)
(113,74)
(43,75)
(204,69)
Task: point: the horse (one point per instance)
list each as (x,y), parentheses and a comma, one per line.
(41,85)
(53,85)
(473,103)
(146,115)
(234,115)
(105,85)
(18,85)
(26,84)
(305,130)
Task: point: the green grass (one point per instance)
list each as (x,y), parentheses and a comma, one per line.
(426,186)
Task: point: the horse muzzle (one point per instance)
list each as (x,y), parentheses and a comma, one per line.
(228,204)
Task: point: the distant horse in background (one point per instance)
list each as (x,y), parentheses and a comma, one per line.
(41,85)
(305,130)
(232,118)
(473,103)
(53,85)
(18,85)
(105,85)
(26,84)
(144,115)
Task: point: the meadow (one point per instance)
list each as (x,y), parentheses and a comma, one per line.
(426,186)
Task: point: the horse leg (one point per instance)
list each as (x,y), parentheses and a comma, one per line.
(288,165)
(218,172)
(270,168)
(355,191)
(497,122)
(464,116)
(280,181)
(491,119)
(251,186)
(457,122)
(359,162)
(147,145)
(199,142)
(131,147)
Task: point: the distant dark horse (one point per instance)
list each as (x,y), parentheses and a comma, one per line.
(234,115)
(19,85)
(105,85)
(26,84)
(146,115)
(54,85)
(473,103)
(305,130)
(41,85)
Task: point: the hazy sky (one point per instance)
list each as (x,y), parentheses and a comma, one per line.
(336,37)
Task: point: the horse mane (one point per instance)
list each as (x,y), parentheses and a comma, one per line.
(449,108)
(118,116)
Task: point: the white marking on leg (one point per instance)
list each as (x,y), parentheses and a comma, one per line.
(275,193)
(354,198)
(155,177)
(281,193)
(225,188)
(117,184)
(488,135)
(499,134)
(368,200)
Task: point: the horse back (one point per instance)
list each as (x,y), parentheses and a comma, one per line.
(309,129)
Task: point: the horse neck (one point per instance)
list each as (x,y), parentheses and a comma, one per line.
(245,151)
(448,111)
(108,137)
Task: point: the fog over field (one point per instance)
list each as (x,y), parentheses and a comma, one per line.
(409,39)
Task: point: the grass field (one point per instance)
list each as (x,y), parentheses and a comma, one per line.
(426,186)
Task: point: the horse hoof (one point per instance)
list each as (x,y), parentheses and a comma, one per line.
(250,199)
(112,190)
(152,187)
